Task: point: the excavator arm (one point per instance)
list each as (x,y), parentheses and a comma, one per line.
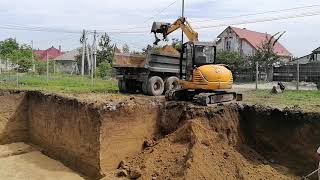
(166,28)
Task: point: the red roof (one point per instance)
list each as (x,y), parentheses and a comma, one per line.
(255,39)
(51,53)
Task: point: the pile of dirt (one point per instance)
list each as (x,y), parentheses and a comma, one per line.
(201,148)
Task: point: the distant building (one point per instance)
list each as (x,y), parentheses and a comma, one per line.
(313,57)
(247,42)
(50,53)
(302,60)
(67,62)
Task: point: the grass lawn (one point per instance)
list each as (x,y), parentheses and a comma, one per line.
(307,100)
(56,83)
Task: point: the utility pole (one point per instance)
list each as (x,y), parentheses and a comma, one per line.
(182,15)
(298,74)
(83,51)
(88,57)
(93,57)
(95,50)
(32,56)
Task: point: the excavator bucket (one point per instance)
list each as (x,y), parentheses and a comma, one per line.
(159,28)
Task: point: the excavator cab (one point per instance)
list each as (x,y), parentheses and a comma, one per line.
(196,54)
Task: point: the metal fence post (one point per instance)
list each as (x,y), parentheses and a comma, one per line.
(298,75)
(257,75)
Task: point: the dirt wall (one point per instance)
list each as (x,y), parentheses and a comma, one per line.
(13,120)
(67,130)
(289,138)
(125,126)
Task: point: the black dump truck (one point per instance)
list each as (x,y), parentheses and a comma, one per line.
(152,74)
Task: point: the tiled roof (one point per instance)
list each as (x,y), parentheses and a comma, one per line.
(51,53)
(255,39)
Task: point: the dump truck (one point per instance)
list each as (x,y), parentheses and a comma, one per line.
(152,74)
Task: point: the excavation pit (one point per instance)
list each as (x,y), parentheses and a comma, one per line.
(159,139)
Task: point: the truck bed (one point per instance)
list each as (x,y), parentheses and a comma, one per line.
(163,63)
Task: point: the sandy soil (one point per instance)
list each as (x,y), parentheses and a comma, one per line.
(201,148)
(20,161)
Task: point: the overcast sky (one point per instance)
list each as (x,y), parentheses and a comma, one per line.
(116,16)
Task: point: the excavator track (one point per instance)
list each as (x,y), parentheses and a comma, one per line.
(202,98)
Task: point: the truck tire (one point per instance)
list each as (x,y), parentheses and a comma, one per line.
(122,86)
(155,86)
(144,87)
(131,86)
(171,83)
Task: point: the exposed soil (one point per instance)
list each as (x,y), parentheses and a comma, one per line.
(208,144)
(123,137)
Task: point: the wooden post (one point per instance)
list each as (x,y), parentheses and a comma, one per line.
(83,52)
(298,75)
(257,75)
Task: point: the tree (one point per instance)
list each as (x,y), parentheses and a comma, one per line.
(176,43)
(125,48)
(105,50)
(20,55)
(8,47)
(265,55)
(233,59)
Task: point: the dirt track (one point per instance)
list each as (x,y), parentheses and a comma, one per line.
(154,139)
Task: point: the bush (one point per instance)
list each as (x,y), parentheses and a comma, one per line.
(104,69)
(24,65)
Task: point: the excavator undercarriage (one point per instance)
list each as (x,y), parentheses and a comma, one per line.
(202,97)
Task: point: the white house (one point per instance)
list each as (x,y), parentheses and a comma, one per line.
(247,42)
(66,63)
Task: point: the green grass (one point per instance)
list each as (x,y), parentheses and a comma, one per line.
(56,83)
(308,100)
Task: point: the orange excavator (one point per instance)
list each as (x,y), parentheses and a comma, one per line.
(201,80)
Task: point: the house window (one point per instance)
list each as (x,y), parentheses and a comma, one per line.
(228,44)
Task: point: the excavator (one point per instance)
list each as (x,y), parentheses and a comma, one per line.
(201,79)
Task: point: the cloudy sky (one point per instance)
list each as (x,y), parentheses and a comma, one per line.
(130,21)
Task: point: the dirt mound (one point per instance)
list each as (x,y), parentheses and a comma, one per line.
(202,148)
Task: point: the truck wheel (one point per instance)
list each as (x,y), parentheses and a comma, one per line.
(131,86)
(122,86)
(171,83)
(144,87)
(155,86)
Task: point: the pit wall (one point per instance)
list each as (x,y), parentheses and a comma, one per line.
(124,129)
(289,138)
(91,139)
(67,130)
(13,119)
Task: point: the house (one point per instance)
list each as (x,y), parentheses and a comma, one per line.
(51,53)
(67,63)
(247,42)
(302,60)
(313,57)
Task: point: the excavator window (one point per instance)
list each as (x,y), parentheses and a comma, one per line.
(204,55)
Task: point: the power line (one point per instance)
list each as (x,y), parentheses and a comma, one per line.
(262,20)
(37,29)
(259,13)
(161,11)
